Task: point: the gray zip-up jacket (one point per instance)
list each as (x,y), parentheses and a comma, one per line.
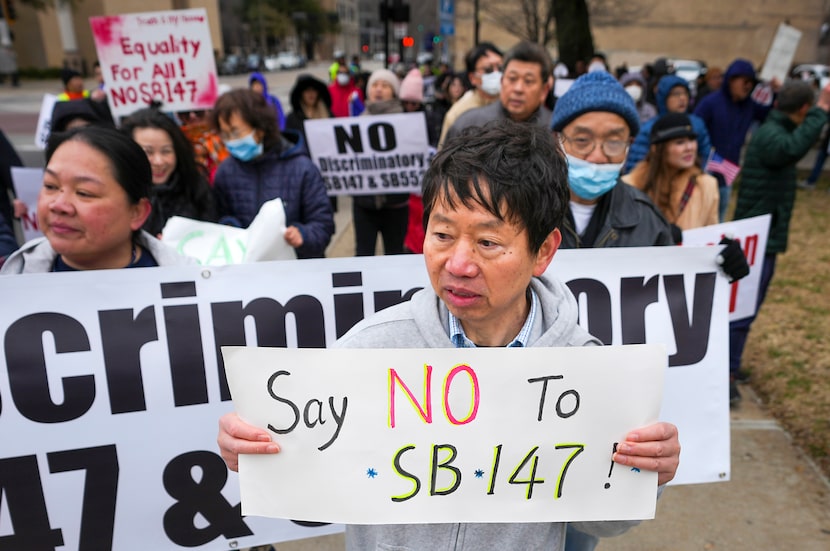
(423,323)
(38,256)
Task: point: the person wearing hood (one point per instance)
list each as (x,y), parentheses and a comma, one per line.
(483,63)
(310,99)
(179,187)
(673,96)
(344,92)
(265,164)
(258,84)
(73,85)
(728,114)
(635,85)
(387,214)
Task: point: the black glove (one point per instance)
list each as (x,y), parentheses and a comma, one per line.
(732,260)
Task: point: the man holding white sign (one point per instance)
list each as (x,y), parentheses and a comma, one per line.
(489,239)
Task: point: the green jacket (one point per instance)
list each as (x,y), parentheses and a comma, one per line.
(768,174)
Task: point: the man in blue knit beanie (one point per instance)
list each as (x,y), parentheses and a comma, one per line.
(595,121)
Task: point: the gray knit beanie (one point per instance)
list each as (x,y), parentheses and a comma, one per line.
(387,76)
(598,91)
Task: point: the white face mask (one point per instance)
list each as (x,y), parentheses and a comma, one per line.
(343,79)
(635,92)
(491,83)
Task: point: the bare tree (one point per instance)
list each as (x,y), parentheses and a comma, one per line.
(531,20)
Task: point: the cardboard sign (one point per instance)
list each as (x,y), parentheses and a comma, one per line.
(165,56)
(781,53)
(752,233)
(457,435)
(370,155)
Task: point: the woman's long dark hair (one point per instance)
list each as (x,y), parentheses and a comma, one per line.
(190,175)
(659,179)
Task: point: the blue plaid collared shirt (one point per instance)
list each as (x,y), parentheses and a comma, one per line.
(460,340)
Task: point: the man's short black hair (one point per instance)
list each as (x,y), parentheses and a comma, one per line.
(477,52)
(515,171)
(530,52)
(794,95)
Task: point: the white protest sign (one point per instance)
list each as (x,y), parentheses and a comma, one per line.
(781,53)
(562,85)
(115,375)
(44,120)
(372,154)
(447,428)
(165,56)
(217,244)
(27,183)
(752,233)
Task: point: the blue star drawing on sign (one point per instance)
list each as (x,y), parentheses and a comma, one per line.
(479,473)
(371,472)
(635,469)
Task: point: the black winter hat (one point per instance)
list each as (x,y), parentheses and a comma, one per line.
(671,126)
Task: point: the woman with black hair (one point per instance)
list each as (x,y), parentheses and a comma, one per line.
(179,187)
(94,200)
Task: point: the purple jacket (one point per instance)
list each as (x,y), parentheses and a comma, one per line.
(285,172)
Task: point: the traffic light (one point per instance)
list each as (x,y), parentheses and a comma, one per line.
(365,48)
(436,39)
(408,41)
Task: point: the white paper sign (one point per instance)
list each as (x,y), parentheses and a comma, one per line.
(433,435)
(752,233)
(217,244)
(781,53)
(562,85)
(27,183)
(370,154)
(165,56)
(44,120)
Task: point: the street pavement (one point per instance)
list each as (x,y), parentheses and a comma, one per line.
(776,498)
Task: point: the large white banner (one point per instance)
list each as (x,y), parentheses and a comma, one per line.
(447,435)
(370,154)
(111,387)
(165,56)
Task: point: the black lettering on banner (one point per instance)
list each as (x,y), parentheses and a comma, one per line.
(270,322)
(382,141)
(122,336)
(203,497)
(21,488)
(692,337)
(100,491)
(26,365)
(385,299)
(635,296)
(343,137)
(598,302)
(348,307)
(184,348)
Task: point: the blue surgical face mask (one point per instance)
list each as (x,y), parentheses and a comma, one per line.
(245,148)
(590,180)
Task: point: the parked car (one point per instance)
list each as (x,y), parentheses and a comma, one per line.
(254,62)
(231,65)
(818,75)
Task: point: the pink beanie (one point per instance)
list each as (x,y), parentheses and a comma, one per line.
(412,87)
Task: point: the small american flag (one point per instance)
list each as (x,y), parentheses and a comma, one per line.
(718,164)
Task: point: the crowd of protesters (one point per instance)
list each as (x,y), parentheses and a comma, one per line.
(645,154)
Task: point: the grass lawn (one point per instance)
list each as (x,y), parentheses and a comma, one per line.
(788,351)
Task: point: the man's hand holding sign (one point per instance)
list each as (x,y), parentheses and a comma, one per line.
(489,240)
